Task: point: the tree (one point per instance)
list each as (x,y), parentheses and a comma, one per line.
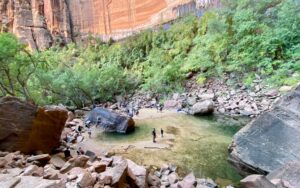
(17,66)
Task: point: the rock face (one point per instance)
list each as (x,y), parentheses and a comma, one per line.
(111,121)
(28,128)
(41,23)
(271,140)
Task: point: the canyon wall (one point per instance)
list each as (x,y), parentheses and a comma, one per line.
(42,23)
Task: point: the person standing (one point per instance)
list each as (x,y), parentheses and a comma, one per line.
(162,132)
(154,135)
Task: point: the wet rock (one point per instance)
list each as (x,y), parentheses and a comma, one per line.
(28,128)
(202,108)
(111,121)
(255,181)
(270,141)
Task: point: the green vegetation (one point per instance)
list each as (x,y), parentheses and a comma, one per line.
(247,37)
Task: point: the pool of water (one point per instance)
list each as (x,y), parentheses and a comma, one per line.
(199,144)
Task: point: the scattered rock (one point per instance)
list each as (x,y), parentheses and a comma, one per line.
(202,108)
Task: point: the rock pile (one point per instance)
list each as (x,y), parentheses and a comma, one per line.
(167,177)
(21,171)
(216,95)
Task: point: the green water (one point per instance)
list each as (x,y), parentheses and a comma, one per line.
(199,145)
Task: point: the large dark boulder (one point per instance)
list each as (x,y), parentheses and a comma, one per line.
(271,140)
(28,128)
(111,121)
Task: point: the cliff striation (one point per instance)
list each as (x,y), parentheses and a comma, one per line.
(42,23)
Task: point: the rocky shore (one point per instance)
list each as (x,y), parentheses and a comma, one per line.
(225,97)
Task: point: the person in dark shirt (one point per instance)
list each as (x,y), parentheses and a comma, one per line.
(162,132)
(154,135)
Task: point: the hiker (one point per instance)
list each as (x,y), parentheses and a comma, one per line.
(80,151)
(162,132)
(67,153)
(154,135)
(90,132)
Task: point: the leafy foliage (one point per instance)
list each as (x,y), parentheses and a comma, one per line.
(247,37)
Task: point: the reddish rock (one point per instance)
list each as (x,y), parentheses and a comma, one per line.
(41,23)
(28,128)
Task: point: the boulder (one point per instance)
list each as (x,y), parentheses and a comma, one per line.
(202,108)
(118,174)
(33,170)
(256,181)
(51,173)
(269,141)
(153,180)
(58,161)
(111,121)
(38,182)
(79,161)
(85,179)
(188,182)
(28,128)
(43,158)
(8,180)
(99,167)
(289,173)
(137,173)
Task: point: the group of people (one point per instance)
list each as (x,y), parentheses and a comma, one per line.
(154,134)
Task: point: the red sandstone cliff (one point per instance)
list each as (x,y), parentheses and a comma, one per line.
(42,23)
